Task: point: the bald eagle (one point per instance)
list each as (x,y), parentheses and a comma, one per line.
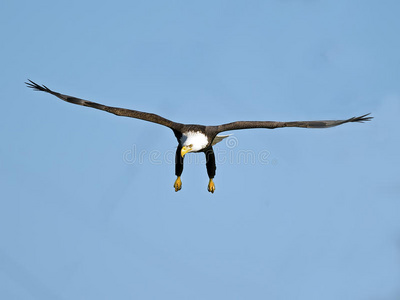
(196,138)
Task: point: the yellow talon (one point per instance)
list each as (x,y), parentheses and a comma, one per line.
(178,184)
(211,186)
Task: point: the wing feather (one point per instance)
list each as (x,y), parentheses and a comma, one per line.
(303,124)
(114,110)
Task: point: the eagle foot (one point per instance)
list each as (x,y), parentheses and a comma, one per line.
(211,186)
(178,184)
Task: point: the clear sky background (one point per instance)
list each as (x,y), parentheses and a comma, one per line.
(309,214)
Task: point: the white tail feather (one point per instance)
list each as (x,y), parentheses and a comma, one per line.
(219,138)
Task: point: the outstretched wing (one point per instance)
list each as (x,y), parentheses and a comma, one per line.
(303,124)
(114,110)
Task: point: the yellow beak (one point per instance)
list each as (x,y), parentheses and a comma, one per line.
(185,150)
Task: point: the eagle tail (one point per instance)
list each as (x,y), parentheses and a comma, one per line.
(219,138)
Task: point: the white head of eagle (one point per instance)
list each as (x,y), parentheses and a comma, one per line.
(193,141)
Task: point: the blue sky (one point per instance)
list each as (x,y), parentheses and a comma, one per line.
(314,215)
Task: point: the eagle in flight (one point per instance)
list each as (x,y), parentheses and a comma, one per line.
(196,138)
